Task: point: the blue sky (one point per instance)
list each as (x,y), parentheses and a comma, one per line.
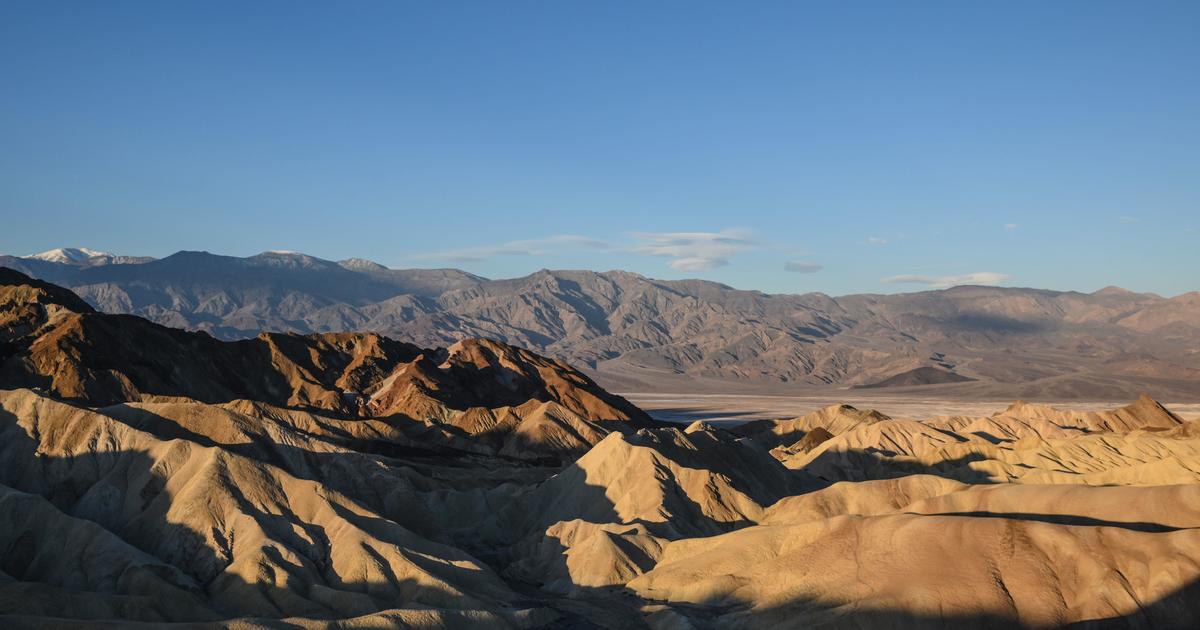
(790,147)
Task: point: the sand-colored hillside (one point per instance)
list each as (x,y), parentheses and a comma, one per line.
(915,570)
(245,510)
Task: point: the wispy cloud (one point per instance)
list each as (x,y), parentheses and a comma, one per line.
(688,251)
(1011,226)
(527,247)
(693,251)
(876,240)
(988,278)
(1125,218)
(799,266)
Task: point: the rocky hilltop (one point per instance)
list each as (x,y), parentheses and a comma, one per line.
(982,342)
(55,342)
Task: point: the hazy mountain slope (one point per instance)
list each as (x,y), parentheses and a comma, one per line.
(1015,342)
(923,375)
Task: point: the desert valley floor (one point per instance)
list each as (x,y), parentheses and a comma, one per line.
(730,410)
(157,477)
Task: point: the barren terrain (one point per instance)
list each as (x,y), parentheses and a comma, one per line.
(156,476)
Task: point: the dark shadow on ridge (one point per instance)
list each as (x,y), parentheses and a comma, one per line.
(1064,519)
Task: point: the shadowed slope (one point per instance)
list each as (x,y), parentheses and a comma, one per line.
(924,375)
(253,538)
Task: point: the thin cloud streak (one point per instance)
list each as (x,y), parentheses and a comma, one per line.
(694,251)
(799,266)
(688,251)
(986,278)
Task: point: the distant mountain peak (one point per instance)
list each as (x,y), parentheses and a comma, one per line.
(621,273)
(1113,290)
(283,253)
(69,254)
(361,264)
(85,257)
(289,258)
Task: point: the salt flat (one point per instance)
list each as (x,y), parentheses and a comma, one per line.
(734,409)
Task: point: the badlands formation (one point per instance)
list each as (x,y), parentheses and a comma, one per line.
(164,478)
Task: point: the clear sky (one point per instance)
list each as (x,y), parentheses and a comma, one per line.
(789,147)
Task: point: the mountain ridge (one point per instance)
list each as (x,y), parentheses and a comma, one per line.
(361,264)
(1011,341)
(512,399)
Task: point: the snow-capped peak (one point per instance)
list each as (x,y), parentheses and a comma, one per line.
(70,255)
(84,257)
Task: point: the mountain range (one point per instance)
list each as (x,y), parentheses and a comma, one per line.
(633,332)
